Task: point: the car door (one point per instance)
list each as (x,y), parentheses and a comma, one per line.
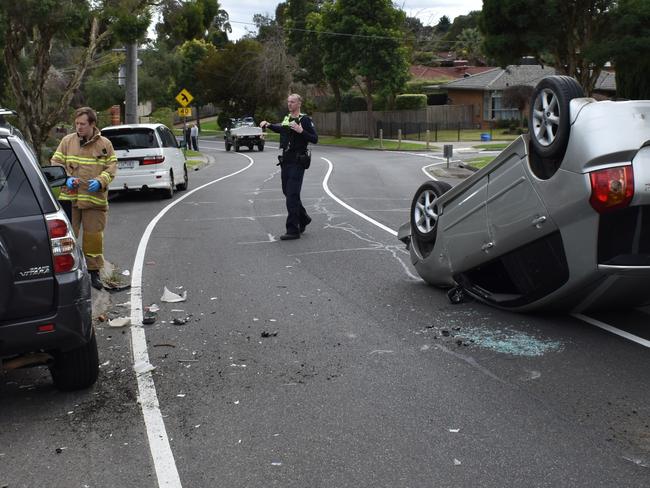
(516,213)
(173,152)
(26,274)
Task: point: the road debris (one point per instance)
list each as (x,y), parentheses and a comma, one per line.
(171,297)
(269,334)
(119,322)
(456,462)
(126,272)
(142,367)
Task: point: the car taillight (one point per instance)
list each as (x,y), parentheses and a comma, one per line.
(611,188)
(153,160)
(63,244)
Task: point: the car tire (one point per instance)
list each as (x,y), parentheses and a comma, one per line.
(169,192)
(228,146)
(183,186)
(424,215)
(76,369)
(260,147)
(549,121)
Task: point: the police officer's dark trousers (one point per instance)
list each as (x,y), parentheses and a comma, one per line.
(292,174)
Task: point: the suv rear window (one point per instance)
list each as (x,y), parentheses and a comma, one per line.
(131,138)
(16,196)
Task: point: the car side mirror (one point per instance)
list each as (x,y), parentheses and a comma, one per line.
(55,175)
(182,143)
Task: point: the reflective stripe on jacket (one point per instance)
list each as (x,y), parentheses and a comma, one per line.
(94,159)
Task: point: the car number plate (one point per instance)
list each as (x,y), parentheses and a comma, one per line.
(129,163)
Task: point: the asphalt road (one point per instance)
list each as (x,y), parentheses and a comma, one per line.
(323,362)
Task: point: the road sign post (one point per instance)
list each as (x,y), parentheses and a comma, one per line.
(184,98)
(448,152)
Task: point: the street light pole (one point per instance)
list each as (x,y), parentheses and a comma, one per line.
(131,99)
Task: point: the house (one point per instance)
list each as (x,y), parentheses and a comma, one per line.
(485,91)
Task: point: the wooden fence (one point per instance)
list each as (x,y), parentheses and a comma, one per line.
(435,117)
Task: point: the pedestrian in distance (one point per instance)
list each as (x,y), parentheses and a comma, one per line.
(296,132)
(91,164)
(188,137)
(194,134)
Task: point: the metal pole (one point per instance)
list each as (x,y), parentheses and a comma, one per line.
(428,138)
(381,138)
(131,100)
(399,138)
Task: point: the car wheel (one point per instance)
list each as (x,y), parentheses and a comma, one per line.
(228,146)
(169,192)
(76,369)
(183,186)
(549,121)
(260,147)
(424,210)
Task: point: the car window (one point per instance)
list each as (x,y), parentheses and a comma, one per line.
(140,138)
(16,196)
(167,137)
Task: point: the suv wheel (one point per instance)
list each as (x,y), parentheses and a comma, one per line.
(183,186)
(76,369)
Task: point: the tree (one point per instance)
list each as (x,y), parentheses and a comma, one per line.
(368,42)
(43,90)
(193,19)
(443,25)
(469,45)
(567,31)
(192,54)
(628,45)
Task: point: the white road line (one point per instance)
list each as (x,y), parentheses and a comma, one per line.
(584,318)
(612,329)
(161,452)
(351,209)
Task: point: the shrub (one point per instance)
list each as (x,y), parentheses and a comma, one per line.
(410,101)
(163,115)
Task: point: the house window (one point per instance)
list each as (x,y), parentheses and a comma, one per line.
(494,110)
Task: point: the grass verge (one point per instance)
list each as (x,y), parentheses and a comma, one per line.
(480,162)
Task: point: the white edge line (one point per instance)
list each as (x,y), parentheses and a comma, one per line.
(161,452)
(613,330)
(343,204)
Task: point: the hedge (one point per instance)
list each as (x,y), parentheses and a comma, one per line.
(410,101)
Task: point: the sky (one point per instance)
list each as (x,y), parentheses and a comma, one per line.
(429,12)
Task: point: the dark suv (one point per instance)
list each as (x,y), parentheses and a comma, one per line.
(45,300)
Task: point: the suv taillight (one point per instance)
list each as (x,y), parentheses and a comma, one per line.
(63,244)
(611,188)
(153,160)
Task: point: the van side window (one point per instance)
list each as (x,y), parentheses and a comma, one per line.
(17,198)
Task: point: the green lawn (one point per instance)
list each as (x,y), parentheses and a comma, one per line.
(191,163)
(480,162)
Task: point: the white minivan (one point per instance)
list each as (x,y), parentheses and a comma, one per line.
(148,157)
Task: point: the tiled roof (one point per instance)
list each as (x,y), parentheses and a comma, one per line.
(513,75)
(429,73)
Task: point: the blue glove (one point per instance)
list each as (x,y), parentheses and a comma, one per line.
(71,182)
(93,185)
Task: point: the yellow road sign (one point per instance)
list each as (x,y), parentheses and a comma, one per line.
(184,97)
(184,111)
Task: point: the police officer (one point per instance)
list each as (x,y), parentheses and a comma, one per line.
(296,132)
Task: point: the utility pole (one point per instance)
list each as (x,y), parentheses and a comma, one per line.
(131,100)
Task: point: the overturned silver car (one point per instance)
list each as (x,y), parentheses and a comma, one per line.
(559,220)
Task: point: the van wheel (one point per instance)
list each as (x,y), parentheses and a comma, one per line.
(549,122)
(260,146)
(169,192)
(183,186)
(76,369)
(424,210)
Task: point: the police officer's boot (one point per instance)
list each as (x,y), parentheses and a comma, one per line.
(95,281)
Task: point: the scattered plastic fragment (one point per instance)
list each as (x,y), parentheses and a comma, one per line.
(179,321)
(380,351)
(269,334)
(171,297)
(119,322)
(177,310)
(142,367)
(59,450)
(149,316)
(126,272)
(105,364)
(181,395)
(154,308)
(454,430)
(213,298)
(236,402)
(456,462)
(276,463)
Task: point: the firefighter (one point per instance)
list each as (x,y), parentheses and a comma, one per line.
(296,132)
(90,163)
